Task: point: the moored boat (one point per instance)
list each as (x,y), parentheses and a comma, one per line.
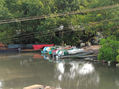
(75,51)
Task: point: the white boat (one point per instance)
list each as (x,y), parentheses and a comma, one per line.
(75,51)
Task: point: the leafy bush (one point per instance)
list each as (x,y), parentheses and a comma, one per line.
(109,49)
(117,58)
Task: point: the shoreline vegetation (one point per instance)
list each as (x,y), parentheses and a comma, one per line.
(94,49)
(69,29)
(87,48)
(99,20)
(82,29)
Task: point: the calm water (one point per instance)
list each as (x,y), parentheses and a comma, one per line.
(20,70)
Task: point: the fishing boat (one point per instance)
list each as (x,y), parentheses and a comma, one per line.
(80,55)
(75,51)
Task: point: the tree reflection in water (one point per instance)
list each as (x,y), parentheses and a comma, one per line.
(81,74)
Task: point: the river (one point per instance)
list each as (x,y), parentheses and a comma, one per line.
(21,70)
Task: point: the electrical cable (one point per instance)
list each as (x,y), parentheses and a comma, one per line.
(57,15)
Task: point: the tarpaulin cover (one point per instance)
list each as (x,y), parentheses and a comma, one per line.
(37,47)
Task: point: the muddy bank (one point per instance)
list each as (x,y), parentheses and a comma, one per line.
(93,48)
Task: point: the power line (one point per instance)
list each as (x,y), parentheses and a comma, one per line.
(56,31)
(84,24)
(47,34)
(57,15)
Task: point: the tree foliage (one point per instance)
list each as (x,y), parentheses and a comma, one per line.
(47,30)
(109,49)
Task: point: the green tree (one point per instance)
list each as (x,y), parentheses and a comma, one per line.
(109,49)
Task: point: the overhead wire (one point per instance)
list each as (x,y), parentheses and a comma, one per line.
(57,31)
(84,24)
(57,15)
(61,14)
(48,34)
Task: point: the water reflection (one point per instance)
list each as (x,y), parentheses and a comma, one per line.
(60,69)
(117,83)
(87,68)
(82,74)
(17,71)
(1,84)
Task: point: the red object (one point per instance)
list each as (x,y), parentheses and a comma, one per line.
(38,56)
(2,45)
(37,47)
(54,51)
(68,48)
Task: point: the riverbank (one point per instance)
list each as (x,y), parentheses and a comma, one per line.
(94,48)
(10,50)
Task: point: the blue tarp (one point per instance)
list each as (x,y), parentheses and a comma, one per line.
(22,46)
(15,46)
(29,46)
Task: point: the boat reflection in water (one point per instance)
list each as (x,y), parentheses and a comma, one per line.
(1,84)
(75,74)
(61,69)
(86,69)
(81,74)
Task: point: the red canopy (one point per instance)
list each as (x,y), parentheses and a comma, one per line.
(37,47)
(2,45)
